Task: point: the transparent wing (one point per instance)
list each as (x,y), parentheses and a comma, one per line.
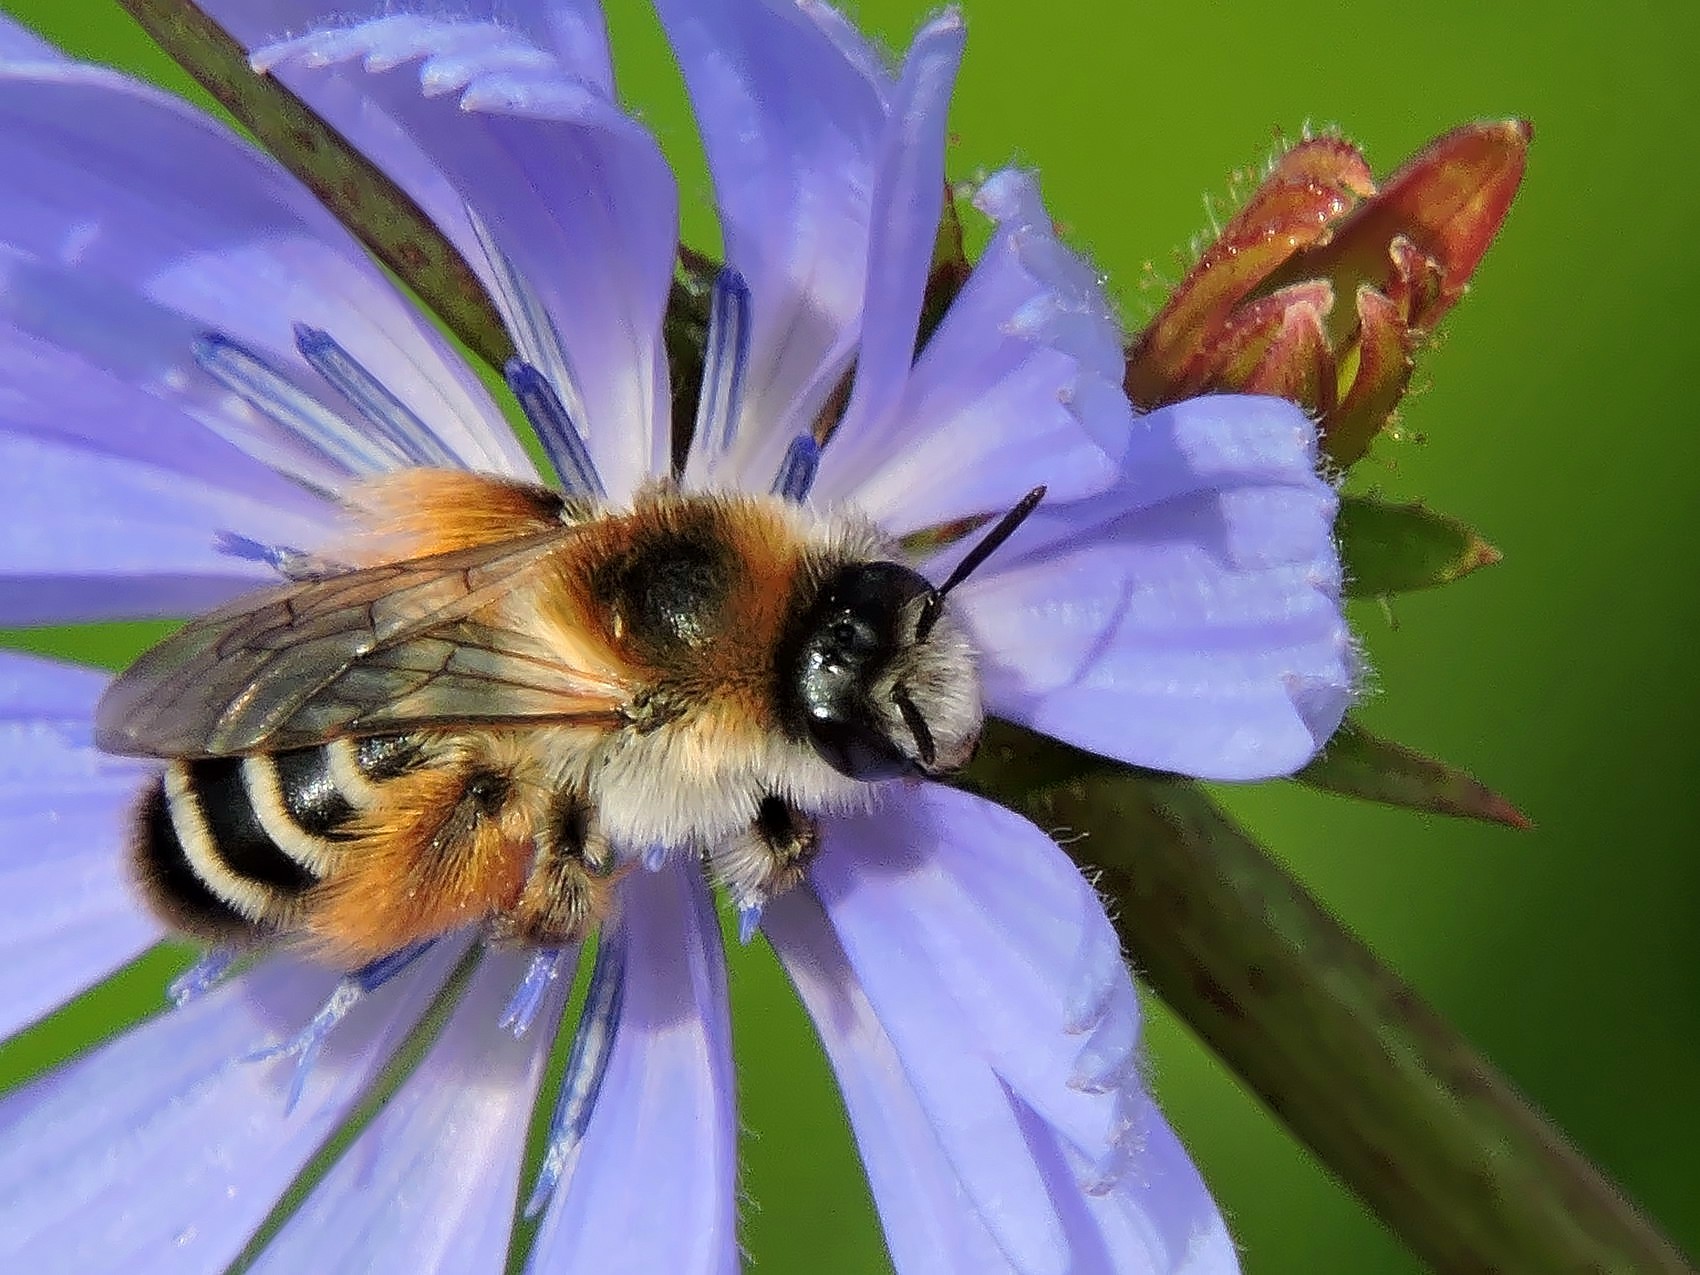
(382,648)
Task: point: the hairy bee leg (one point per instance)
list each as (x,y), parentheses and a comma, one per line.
(765,860)
(441,851)
(570,887)
(563,901)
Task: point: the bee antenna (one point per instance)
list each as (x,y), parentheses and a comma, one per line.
(934,605)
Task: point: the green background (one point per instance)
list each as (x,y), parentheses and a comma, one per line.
(1552,416)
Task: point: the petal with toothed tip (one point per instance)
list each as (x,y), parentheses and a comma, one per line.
(494,133)
(162,1151)
(572,31)
(1020,385)
(110,165)
(68,916)
(927,1227)
(792,110)
(1189,618)
(1159,1220)
(1000,987)
(907,201)
(1021,943)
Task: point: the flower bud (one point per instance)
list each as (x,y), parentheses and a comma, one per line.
(1322,287)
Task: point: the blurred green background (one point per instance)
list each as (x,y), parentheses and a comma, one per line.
(1552,416)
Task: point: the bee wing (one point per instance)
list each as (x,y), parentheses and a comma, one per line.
(366,651)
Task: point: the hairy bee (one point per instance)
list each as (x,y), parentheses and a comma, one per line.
(507,695)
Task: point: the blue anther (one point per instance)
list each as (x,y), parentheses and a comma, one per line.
(555,430)
(536,338)
(587,1066)
(724,361)
(374,974)
(540,975)
(307,1044)
(797,471)
(392,418)
(288,562)
(272,394)
(201,977)
(749,921)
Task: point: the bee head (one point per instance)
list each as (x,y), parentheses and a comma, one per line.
(881,678)
(881,681)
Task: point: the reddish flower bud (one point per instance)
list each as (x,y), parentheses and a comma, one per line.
(1263,308)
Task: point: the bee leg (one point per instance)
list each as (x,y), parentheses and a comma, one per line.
(569,890)
(766,859)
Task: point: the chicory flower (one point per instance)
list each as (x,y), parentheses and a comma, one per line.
(168,431)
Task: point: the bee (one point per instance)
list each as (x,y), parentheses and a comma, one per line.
(502,697)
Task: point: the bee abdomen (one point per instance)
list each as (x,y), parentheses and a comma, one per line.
(227,846)
(308,799)
(165,869)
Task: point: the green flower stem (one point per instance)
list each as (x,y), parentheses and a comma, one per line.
(1385,1093)
(380,213)
(1388,1096)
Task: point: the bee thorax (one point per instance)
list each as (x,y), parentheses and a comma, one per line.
(697,782)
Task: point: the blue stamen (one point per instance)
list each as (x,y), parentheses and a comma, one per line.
(546,967)
(290,563)
(655,858)
(535,335)
(587,1065)
(797,470)
(555,430)
(274,395)
(724,362)
(372,398)
(307,1044)
(374,974)
(201,977)
(749,921)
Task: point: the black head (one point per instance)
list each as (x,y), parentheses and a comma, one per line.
(861,619)
(876,678)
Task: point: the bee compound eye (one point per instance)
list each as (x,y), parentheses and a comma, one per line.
(855,636)
(858,748)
